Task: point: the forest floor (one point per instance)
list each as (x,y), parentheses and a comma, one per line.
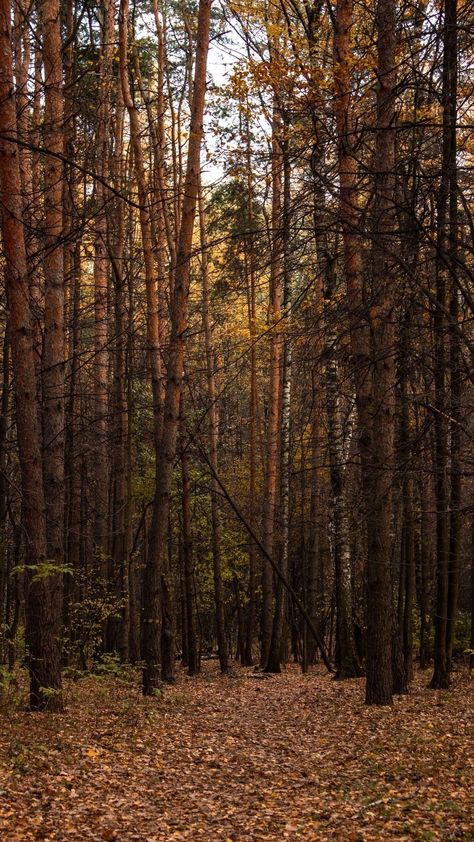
(239,758)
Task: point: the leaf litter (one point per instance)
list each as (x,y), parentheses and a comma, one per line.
(228,759)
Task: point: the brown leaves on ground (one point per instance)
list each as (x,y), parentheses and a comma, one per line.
(233,759)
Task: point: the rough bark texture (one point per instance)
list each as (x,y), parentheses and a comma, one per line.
(41,604)
(213,419)
(101,314)
(276,348)
(379,473)
(275,653)
(446,555)
(53,339)
(353,268)
(189,614)
(174,374)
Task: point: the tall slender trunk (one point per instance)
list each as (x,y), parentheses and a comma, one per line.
(359,329)
(135,582)
(121,514)
(72,266)
(378,472)
(407,573)
(455,404)
(74,443)
(164,208)
(53,382)
(273,663)
(157,529)
(4,418)
(347,663)
(276,347)
(41,608)
(213,446)
(471,658)
(314,579)
(427,562)
(174,374)
(189,615)
(446,553)
(101,315)
(250,271)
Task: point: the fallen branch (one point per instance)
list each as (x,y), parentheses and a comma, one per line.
(282,578)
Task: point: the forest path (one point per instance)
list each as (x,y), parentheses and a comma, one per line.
(290,757)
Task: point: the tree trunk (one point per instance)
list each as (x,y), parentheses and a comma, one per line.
(41,592)
(213,448)
(189,616)
(174,374)
(379,678)
(103,560)
(271,474)
(273,664)
(446,555)
(53,340)
(250,272)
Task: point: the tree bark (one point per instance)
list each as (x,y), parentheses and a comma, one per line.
(446,555)
(213,447)
(273,664)
(174,374)
(189,616)
(102,549)
(276,348)
(41,605)
(379,470)
(53,362)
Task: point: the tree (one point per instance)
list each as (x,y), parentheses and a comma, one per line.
(43,641)
(174,374)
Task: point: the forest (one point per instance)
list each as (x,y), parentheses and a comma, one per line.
(236,420)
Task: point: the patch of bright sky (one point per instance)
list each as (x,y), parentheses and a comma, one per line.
(220,63)
(225,54)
